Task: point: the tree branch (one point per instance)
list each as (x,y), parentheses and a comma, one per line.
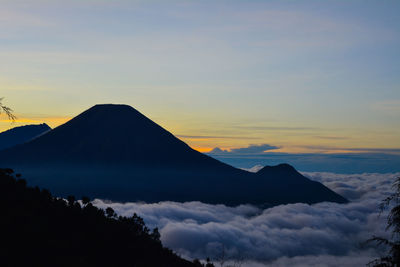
(8,111)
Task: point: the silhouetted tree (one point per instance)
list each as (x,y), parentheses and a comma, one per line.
(224,260)
(393,223)
(221,257)
(209,263)
(197,263)
(71,200)
(8,111)
(155,234)
(110,212)
(33,221)
(85,200)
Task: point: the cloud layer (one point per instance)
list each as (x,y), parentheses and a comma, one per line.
(251,149)
(323,234)
(316,162)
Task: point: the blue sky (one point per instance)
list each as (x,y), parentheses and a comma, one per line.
(300,75)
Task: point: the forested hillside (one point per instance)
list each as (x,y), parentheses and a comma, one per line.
(38,229)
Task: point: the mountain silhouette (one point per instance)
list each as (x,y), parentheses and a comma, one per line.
(21,134)
(114,152)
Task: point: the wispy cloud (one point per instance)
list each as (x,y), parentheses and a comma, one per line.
(12,17)
(276,128)
(214,137)
(332,137)
(353,149)
(388,106)
(251,149)
(254,149)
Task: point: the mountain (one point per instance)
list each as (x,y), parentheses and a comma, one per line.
(22,134)
(114,152)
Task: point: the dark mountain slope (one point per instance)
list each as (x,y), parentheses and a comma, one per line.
(38,229)
(112,134)
(115,152)
(285,178)
(21,134)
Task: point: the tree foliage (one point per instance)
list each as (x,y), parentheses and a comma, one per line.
(38,229)
(391,203)
(8,111)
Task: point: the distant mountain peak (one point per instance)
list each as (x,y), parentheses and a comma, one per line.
(278,168)
(22,134)
(40,125)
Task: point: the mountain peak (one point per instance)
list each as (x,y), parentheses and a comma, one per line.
(111,106)
(284,167)
(114,115)
(22,134)
(109,133)
(112,109)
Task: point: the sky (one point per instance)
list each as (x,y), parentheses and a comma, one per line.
(301,76)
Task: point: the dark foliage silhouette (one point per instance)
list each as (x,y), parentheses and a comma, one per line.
(38,229)
(8,111)
(208,263)
(393,223)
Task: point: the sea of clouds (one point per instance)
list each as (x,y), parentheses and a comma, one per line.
(324,234)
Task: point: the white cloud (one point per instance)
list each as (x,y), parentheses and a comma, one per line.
(255,168)
(323,234)
(254,149)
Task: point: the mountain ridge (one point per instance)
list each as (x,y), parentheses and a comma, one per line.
(22,134)
(115,152)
